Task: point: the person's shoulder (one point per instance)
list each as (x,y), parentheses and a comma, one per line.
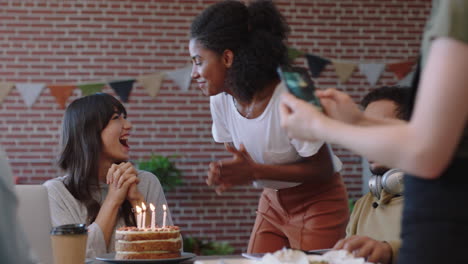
(147,177)
(221,98)
(365,199)
(55,185)
(58,181)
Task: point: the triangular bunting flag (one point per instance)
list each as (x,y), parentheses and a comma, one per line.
(294,53)
(5,88)
(90,88)
(122,88)
(372,71)
(343,70)
(400,69)
(29,91)
(61,93)
(407,80)
(152,83)
(181,77)
(316,64)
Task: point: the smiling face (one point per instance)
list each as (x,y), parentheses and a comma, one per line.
(208,68)
(115,139)
(380,109)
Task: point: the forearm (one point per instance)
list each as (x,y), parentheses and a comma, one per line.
(367,120)
(317,168)
(398,145)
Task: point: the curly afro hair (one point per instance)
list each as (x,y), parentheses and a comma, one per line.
(256,35)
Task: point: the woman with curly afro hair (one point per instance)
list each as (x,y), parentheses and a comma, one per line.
(235,50)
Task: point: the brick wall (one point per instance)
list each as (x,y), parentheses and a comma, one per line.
(79,41)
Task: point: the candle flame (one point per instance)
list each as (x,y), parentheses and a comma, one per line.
(164,207)
(138,209)
(152,207)
(143,206)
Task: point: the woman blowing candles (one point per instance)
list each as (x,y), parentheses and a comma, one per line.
(235,51)
(101,187)
(432,147)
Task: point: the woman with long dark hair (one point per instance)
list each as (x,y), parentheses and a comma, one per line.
(101,186)
(235,50)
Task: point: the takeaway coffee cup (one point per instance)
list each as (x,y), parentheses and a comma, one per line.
(69,243)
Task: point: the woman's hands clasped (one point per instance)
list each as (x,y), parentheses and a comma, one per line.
(122,179)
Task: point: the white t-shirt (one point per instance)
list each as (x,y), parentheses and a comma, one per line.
(263,137)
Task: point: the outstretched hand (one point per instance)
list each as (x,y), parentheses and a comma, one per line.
(298,117)
(237,171)
(362,246)
(339,106)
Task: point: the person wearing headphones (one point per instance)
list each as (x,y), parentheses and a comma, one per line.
(373,231)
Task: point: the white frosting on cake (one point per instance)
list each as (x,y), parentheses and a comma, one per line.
(290,256)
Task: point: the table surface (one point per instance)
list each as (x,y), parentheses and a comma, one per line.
(191,261)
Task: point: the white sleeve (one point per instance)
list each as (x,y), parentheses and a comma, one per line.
(307,149)
(218,115)
(65,209)
(95,245)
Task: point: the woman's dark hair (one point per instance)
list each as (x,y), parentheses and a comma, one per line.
(400,95)
(256,35)
(83,122)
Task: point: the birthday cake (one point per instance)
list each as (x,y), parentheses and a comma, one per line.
(148,243)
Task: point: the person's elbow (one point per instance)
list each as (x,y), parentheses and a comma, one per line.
(428,163)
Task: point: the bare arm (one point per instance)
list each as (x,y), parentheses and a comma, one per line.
(426,144)
(311,169)
(242,169)
(118,190)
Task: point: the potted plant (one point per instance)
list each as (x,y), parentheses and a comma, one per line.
(207,248)
(161,166)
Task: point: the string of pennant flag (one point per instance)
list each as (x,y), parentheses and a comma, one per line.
(403,70)
(29,92)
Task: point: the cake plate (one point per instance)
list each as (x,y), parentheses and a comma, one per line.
(110,258)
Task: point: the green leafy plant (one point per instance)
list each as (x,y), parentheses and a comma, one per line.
(162,166)
(206,248)
(351,203)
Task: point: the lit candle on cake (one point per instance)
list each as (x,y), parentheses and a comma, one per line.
(143,218)
(153,217)
(164,215)
(138,210)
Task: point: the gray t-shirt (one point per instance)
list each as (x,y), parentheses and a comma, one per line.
(65,209)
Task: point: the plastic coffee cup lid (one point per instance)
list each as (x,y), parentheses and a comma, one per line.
(71,229)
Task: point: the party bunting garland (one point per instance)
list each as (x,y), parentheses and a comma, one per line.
(316,64)
(182,78)
(61,93)
(122,88)
(372,71)
(5,88)
(343,70)
(29,92)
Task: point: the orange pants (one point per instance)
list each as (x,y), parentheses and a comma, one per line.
(308,216)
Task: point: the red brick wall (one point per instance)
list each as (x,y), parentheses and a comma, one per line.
(78,41)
